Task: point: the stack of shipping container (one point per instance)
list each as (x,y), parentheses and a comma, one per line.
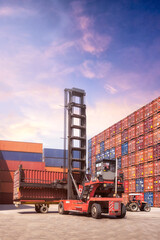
(54,159)
(135,142)
(13,154)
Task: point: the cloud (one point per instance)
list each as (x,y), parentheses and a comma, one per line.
(90,40)
(15,11)
(110,89)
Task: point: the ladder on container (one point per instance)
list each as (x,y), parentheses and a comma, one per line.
(74,104)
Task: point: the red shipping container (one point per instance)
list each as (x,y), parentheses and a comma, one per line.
(6,198)
(6,176)
(124,136)
(140,129)
(156,152)
(140,171)
(118,139)
(148,184)
(140,197)
(148,169)
(13,165)
(140,115)
(156,168)
(6,187)
(140,157)
(148,125)
(112,142)
(156,105)
(112,130)
(148,154)
(94,141)
(131,119)
(107,144)
(131,159)
(125,173)
(132,186)
(132,146)
(124,161)
(156,136)
(93,150)
(148,140)
(131,172)
(125,198)
(97,148)
(118,127)
(126,186)
(131,133)
(106,133)
(148,110)
(139,143)
(125,123)
(118,151)
(100,137)
(156,121)
(156,199)
(157,183)
(93,159)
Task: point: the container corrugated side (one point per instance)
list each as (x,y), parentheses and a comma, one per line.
(20,156)
(13,165)
(21,146)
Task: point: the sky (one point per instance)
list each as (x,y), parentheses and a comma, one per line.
(111,49)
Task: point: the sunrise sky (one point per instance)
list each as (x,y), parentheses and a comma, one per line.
(111,49)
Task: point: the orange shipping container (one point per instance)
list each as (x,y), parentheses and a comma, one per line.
(106,134)
(21,146)
(148,184)
(156,105)
(126,186)
(118,139)
(148,110)
(125,173)
(131,146)
(156,168)
(156,136)
(112,142)
(94,141)
(148,140)
(131,133)
(100,137)
(148,169)
(125,123)
(131,172)
(148,154)
(97,148)
(140,115)
(118,151)
(124,161)
(140,157)
(6,187)
(156,121)
(131,159)
(156,199)
(118,127)
(112,130)
(107,144)
(132,186)
(131,119)
(55,169)
(125,198)
(139,129)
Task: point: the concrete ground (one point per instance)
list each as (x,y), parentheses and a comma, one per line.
(25,224)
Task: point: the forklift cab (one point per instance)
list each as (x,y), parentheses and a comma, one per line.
(105,169)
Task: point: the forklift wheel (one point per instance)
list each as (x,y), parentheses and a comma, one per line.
(147,208)
(44,208)
(37,208)
(61,209)
(123,211)
(96,210)
(134,207)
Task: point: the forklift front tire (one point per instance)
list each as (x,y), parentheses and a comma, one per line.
(96,210)
(61,209)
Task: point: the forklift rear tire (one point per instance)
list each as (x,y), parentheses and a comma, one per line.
(96,210)
(134,207)
(61,209)
(123,211)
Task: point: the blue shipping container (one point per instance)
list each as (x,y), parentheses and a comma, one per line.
(89,143)
(102,147)
(58,153)
(58,162)
(140,185)
(112,153)
(124,148)
(97,157)
(107,154)
(21,156)
(101,156)
(148,197)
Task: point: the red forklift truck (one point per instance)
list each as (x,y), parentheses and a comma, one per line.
(74,192)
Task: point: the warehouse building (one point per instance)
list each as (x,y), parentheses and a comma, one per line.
(135,142)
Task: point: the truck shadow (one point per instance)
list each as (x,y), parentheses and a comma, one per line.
(4,207)
(34,212)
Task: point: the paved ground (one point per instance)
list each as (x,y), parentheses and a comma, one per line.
(25,224)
